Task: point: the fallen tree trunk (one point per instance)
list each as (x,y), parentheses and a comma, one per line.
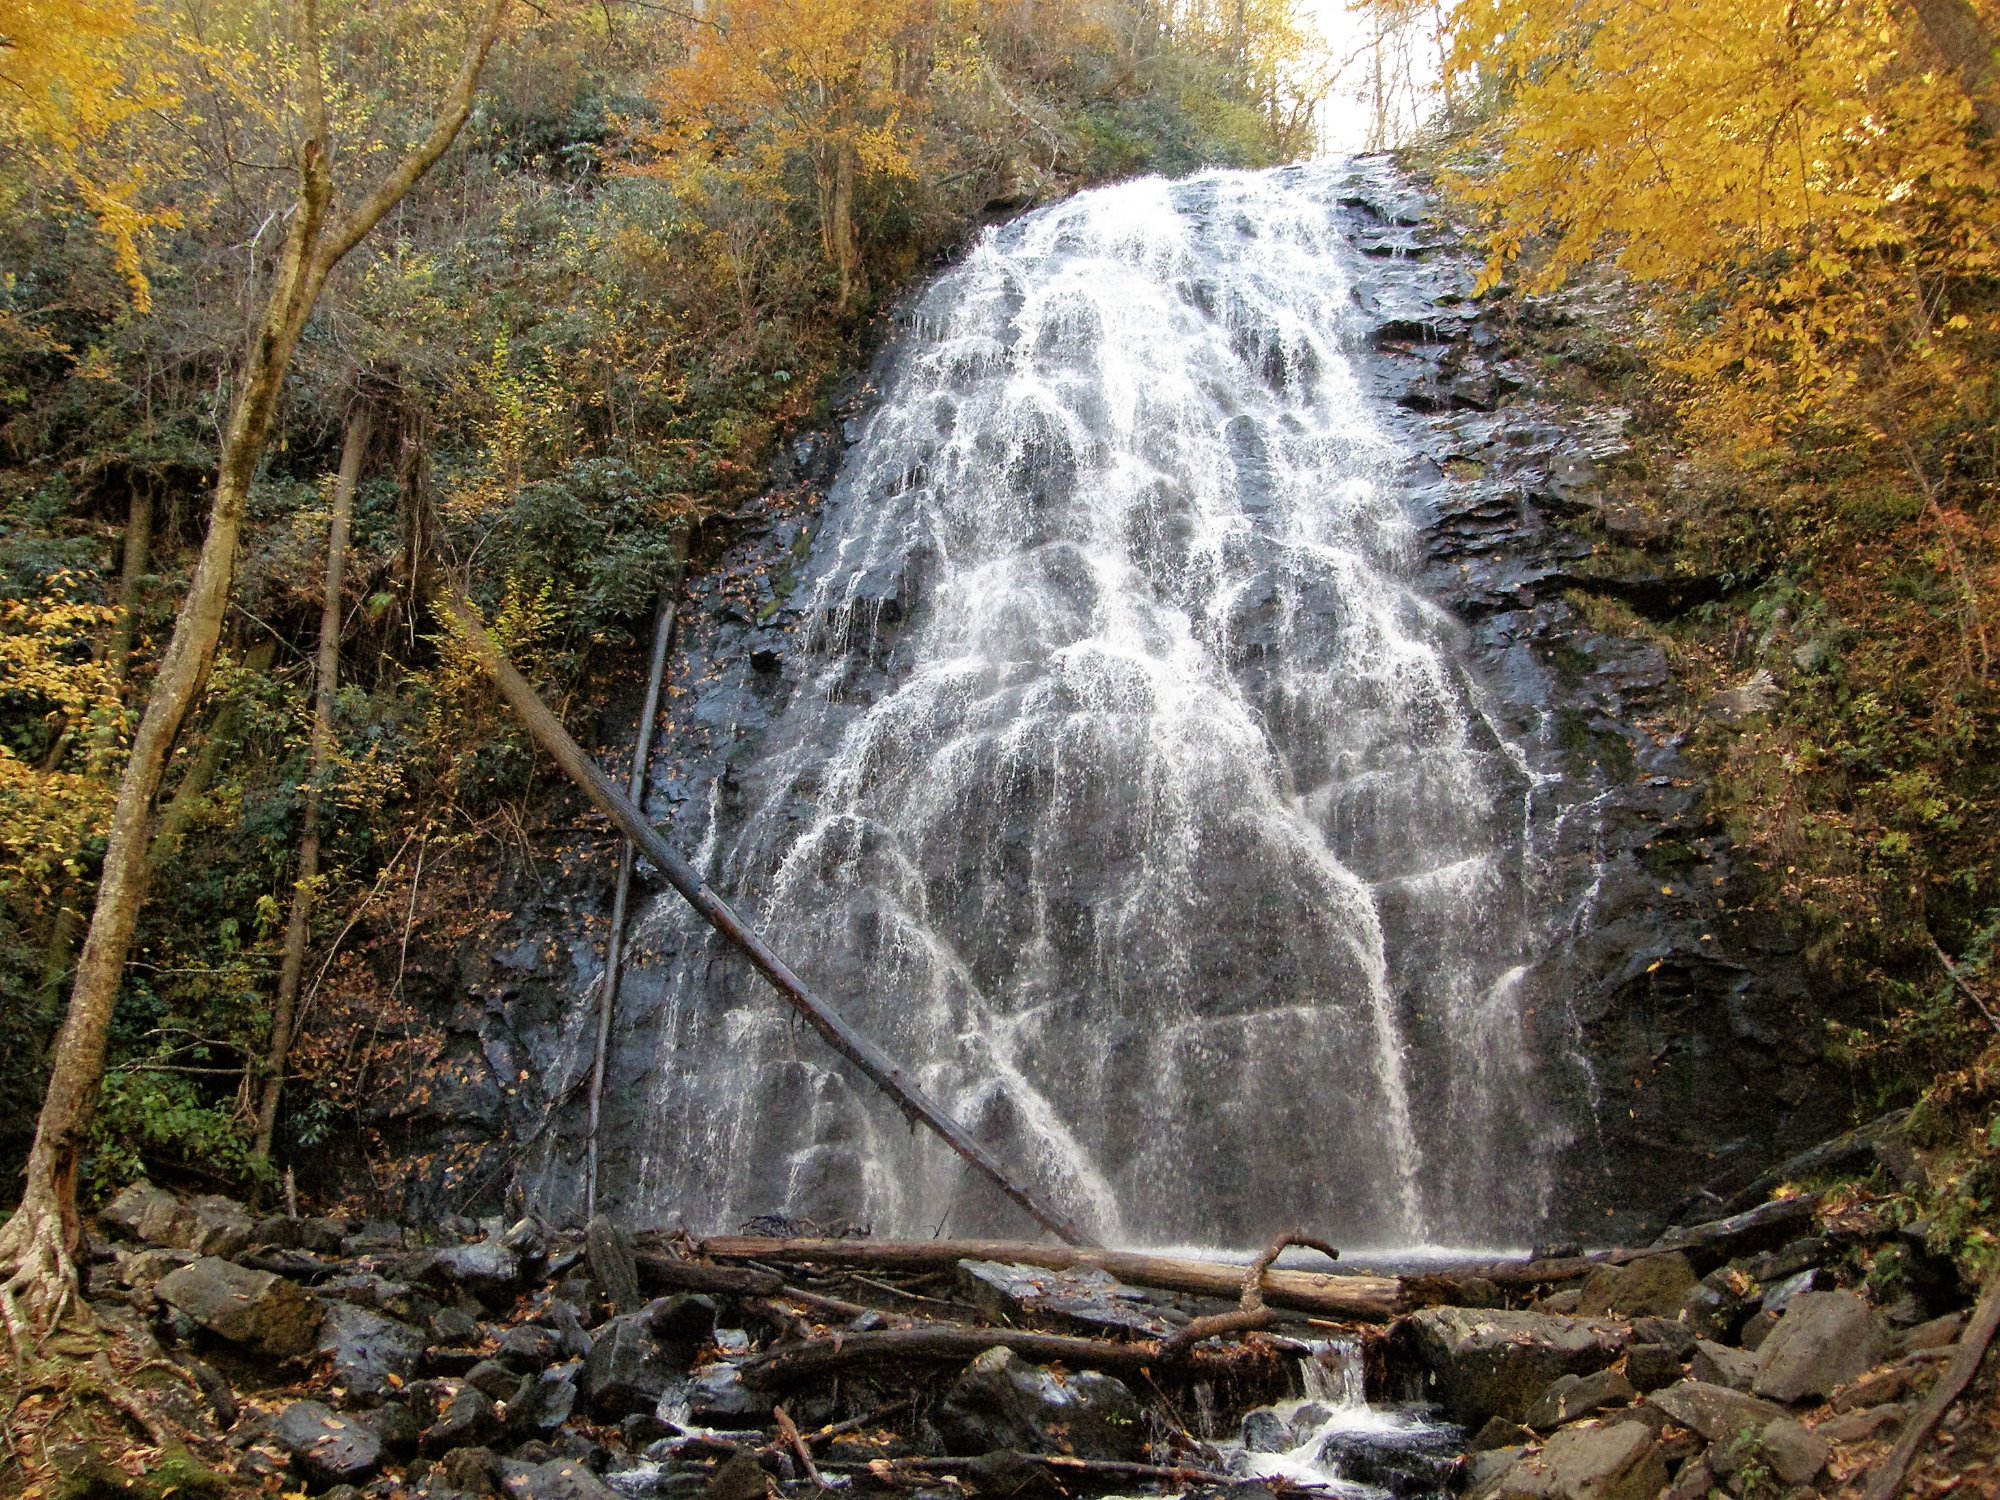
(614,948)
(951,1343)
(1367,1299)
(1062,1463)
(886,1075)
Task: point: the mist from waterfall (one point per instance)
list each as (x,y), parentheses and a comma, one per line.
(1127,790)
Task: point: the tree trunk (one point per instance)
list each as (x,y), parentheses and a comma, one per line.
(1362,1298)
(36,1242)
(319,747)
(132,572)
(880,1070)
(614,947)
(1967,45)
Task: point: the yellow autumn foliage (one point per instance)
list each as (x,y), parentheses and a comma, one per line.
(71,83)
(1802,180)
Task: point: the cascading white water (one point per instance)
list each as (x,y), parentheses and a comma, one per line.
(1127,790)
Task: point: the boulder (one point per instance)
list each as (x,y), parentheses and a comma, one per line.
(151,1215)
(611,1263)
(465,1419)
(542,1402)
(1716,1306)
(558,1479)
(529,1347)
(738,1478)
(1718,1364)
(1653,1286)
(1620,1461)
(485,1268)
(262,1312)
(1264,1431)
(1571,1397)
(717,1397)
(1487,1362)
(1791,1452)
(1650,1366)
(1824,1340)
(372,1356)
(1002,1401)
(628,1369)
(1717,1413)
(324,1447)
(1406,1462)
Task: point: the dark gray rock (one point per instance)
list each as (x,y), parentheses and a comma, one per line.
(528,1347)
(1650,1366)
(485,1268)
(1718,1364)
(1717,1413)
(628,1369)
(396,1426)
(454,1328)
(371,1356)
(612,1264)
(1653,1286)
(492,1377)
(717,1397)
(1404,1462)
(1570,1397)
(558,1479)
(542,1402)
(1617,1461)
(325,1447)
(1716,1307)
(1485,1362)
(465,1419)
(254,1309)
(1002,1401)
(1264,1431)
(1824,1340)
(1791,1452)
(738,1478)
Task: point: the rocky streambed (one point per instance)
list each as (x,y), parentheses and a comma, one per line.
(1780,1351)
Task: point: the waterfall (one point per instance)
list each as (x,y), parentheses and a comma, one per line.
(1127,788)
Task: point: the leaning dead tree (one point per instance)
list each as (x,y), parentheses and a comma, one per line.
(36,1243)
(881,1070)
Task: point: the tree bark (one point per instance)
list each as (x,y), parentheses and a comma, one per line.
(547,729)
(614,947)
(132,573)
(1373,1299)
(949,1343)
(1967,45)
(319,747)
(36,1242)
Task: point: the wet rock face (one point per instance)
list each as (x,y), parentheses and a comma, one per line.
(1688,1015)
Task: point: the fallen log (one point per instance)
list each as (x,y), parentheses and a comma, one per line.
(1062,1463)
(1363,1299)
(951,1343)
(463,620)
(1251,1313)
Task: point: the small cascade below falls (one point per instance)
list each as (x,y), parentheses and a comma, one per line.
(1333,1442)
(1126,787)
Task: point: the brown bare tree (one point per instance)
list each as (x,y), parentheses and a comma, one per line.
(36,1243)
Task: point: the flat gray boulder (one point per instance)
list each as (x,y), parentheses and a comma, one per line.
(1716,1412)
(1619,1461)
(372,1355)
(1487,1362)
(1824,1340)
(325,1447)
(256,1309)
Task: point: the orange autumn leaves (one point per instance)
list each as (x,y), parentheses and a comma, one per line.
(833,84)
